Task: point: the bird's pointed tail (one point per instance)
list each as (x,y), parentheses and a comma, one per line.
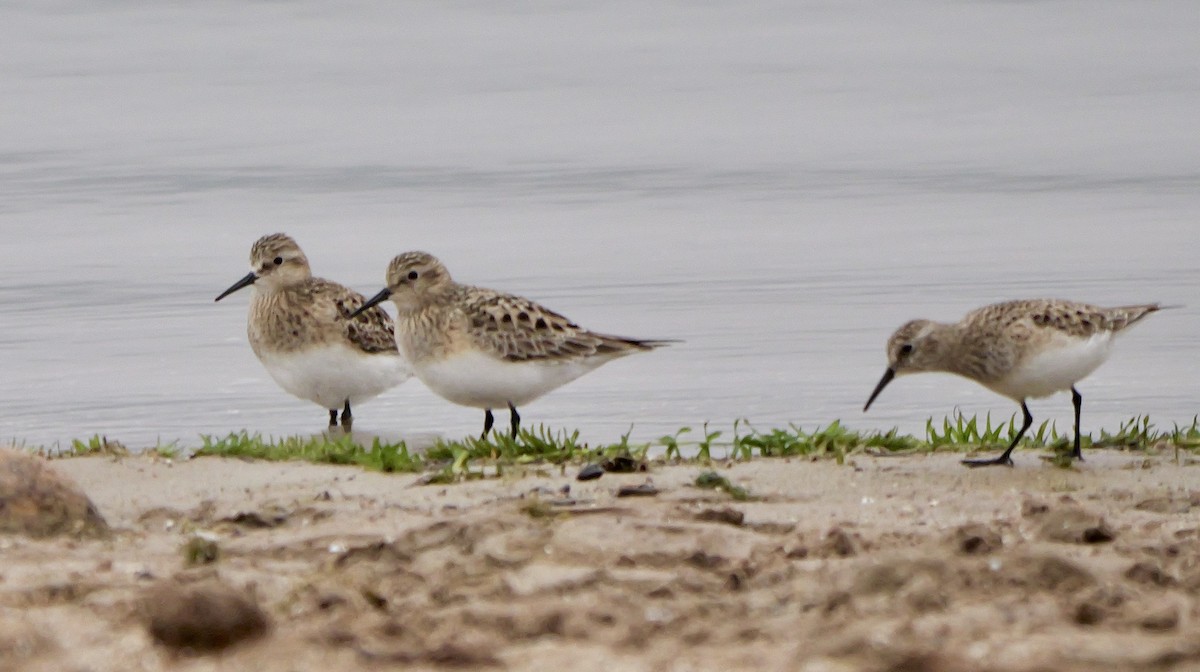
(1122,317)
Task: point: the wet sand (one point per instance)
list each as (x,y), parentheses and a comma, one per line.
(884,563)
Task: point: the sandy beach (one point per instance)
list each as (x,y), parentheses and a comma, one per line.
(883,563)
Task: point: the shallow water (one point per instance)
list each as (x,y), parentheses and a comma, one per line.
(779,186)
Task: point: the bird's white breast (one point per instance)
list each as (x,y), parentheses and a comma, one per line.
(330,374)
(1057,366)
(473,378)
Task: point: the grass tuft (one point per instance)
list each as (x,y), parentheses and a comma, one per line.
(449,461)
(97,445)
(200,550)
(379,456)
(711,480)
(1187,437)
(832,440)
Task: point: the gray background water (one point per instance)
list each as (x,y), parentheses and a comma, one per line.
(779,184)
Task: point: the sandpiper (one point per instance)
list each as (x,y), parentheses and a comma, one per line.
(486,349)
(1020,349)
(300,329)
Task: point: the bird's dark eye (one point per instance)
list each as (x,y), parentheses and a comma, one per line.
(278,261)
(412,275)
(906,349)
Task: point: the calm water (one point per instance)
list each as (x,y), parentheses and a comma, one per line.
(778,184)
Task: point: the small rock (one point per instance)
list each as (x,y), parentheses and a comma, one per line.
(590,473)
(1162,620)
(1149,573)
(623,464)
(726,515)
(705,560)
(549,579)
(918,578)
(1032,508)
(646,489)
(926,662)
(1164,505)
(540,491)
(465,653)
(1089,613)
(1074,525)
(258,520)
(37,501)
(379,551)
(840,543)
(1052,573)
(202,617)
(976,539)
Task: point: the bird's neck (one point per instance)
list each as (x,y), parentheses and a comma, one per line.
(420,330)
(953,349)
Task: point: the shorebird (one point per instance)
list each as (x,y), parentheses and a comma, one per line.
(1020,349)
(486,349)
(300,329)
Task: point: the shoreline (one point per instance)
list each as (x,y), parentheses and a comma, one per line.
(742,441)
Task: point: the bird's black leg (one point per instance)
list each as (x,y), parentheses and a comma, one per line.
(1004,459)
(333,417)
(1077,399)
(347,417)
(516,419)
(488,420)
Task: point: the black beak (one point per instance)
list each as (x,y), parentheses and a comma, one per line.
(371,302)
(887,378)
(244,282)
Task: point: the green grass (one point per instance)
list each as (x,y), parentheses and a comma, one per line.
(98,445)
(1187,437)
(832,440)
(449,461)
(200,550)
(379,456)
(540,445)
(711,480)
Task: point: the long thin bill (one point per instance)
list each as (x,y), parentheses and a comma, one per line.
(244,282)
(371,302)
(887,378)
